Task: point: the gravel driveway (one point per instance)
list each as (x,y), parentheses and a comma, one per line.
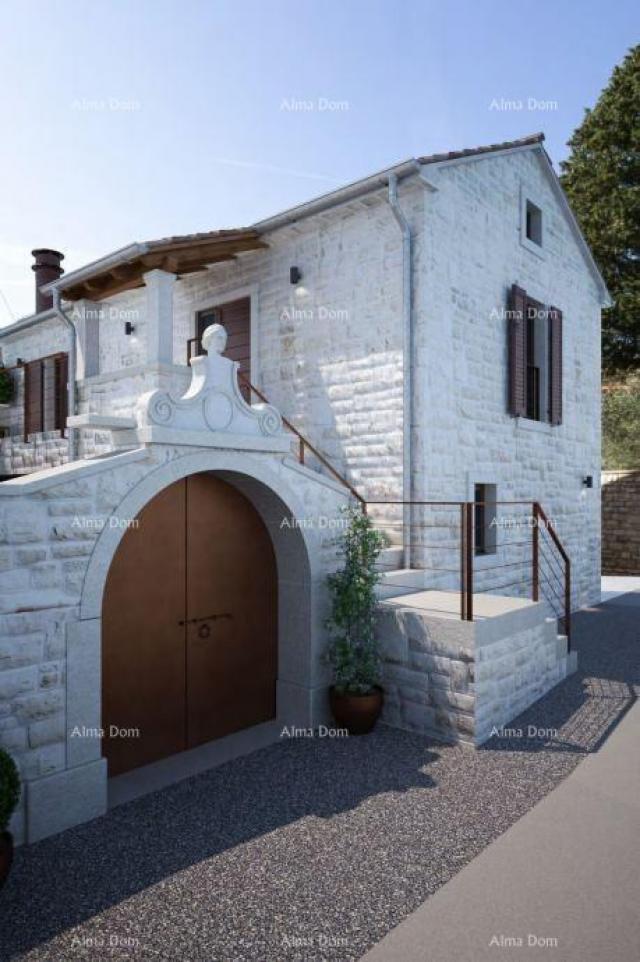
(312,848)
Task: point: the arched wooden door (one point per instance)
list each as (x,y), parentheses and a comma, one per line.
(189,624)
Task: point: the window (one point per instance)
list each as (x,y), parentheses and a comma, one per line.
(533,223)
(45,394)
(532,214)
(485,518)
(534,333)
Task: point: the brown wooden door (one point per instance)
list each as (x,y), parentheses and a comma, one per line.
(231,612)
(143,677)
(189,624)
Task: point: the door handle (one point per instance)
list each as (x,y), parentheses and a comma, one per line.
(195,621)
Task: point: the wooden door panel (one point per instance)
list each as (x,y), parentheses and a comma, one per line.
(231,612)
(143,649)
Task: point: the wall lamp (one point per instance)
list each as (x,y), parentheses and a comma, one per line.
(295,275)
(128,327)
(588,481)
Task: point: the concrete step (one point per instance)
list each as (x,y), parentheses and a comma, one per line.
(390,559)
(400,581)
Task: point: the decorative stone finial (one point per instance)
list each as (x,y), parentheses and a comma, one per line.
(214,339)
(213,401)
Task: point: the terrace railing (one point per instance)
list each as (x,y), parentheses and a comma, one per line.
(471,547)
(475,547)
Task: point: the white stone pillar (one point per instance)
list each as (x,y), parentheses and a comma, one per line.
(87,316)
(159,285)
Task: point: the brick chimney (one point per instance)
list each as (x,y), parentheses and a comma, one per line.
(47,268)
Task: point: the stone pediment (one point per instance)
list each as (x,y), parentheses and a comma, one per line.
(213,401)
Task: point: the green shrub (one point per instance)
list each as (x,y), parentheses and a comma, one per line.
(354,652)
(9,788)
(6,387)
(621,425)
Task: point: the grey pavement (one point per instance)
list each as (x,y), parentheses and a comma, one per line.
(562,884)
(315,849)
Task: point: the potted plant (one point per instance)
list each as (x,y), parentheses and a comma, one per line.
(6,386)
(9,795)
(354,655)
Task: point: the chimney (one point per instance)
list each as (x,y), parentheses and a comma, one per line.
(47,268)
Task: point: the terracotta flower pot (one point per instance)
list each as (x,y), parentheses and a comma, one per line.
(357,713)
(6,856)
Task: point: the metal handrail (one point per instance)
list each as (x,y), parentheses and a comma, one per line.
(304,443)
(467,567)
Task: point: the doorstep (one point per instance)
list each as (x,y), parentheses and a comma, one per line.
(151,778)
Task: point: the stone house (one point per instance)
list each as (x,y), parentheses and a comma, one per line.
(432,334)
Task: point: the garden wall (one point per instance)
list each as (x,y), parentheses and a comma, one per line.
(621,522)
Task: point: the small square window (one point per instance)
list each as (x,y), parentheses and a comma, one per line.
(533,228)
(485,518)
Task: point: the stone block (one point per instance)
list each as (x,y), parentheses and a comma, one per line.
(20,652)
(30,708)
(17,681)
(47,732)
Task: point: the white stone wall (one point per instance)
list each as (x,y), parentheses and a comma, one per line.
(472,257)
(58,532)
(460,680)
(328,352)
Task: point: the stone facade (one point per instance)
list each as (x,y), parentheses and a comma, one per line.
(621,522)
(328,352)
(59,530)
(473,255)
(458,680)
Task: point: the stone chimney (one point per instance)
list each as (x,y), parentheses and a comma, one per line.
(47,268)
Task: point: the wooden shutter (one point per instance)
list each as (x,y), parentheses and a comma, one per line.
(555,365)
(61,392)
(517,349)
(33,398)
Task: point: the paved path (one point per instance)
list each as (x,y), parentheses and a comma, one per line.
(315,849)
(563,883)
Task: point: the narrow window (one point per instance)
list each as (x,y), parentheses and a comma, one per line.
(533,228)
(485,518)
(537,355)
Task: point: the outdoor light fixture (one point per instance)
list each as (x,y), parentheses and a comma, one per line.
(295,274)
(128,327)
(588,481)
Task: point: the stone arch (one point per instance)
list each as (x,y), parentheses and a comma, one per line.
(302,677)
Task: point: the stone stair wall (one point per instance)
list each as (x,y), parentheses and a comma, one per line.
(460,681)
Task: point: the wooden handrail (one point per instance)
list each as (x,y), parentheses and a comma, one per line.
(305,443)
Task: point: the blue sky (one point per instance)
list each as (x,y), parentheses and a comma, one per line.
(127,120)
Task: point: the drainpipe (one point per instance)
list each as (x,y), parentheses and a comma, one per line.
(72,434)
(407,361)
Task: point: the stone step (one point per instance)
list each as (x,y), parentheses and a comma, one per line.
(401,581)
(390,559)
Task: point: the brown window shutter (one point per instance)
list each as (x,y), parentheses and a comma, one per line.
(33,398)
(517,344)
(555,365)
(61,392)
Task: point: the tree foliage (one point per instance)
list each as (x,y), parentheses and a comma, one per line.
(354,653)
(602,181)
(621,424)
